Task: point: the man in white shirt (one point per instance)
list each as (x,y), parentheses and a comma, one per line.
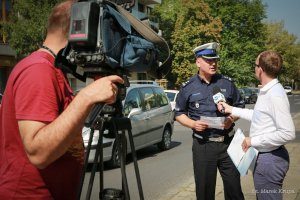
(271,127)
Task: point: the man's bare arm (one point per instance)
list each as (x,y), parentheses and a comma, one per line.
(44,143)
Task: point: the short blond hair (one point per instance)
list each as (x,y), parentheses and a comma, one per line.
(59,18)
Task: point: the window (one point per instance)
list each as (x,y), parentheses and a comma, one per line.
(132,101)
(149,98)
(142,76)
(161,97)
(148,10)
(140,7)
(5,8)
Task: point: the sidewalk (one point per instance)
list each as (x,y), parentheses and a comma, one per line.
(291,186)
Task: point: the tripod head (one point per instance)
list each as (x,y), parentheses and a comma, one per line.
(115,109)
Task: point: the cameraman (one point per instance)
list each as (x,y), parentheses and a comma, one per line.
(41,148)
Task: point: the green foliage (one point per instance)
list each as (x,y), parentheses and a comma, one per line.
(189,25)
(27,27)
(236,24)
(281,41)
(166,13)
(185,24)
(242,37)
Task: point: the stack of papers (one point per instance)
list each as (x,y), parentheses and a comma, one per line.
(242,160)
(214,122)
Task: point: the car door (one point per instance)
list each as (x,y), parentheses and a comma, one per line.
(138,124)
(151,120)
(161,114)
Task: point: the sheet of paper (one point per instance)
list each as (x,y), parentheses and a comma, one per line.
(242,160)
(214,122)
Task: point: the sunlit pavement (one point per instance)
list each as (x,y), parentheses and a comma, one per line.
(291,186)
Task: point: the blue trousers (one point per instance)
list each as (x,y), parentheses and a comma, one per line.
(269,173)
(208,157)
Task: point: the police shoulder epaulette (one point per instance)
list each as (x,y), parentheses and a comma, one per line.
(227,77)
(187,83)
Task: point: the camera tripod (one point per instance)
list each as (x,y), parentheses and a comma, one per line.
(100,117)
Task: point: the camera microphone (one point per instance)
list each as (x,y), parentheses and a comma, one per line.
(218,97)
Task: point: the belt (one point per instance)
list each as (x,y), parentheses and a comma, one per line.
(214,138)
(279,148)
(210,139)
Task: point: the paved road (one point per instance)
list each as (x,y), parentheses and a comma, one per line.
(291,187)
(168,175)
(159,170)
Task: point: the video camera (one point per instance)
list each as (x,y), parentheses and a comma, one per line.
(105,39)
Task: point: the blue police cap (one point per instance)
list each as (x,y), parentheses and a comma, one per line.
(208,50)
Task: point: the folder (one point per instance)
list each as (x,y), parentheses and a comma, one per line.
(242,160)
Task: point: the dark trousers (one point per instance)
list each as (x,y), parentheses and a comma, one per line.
(269,174)
(207,158)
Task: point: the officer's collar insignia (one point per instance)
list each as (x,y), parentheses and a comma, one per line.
(223,90)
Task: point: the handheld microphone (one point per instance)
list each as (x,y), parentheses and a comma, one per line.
(218,97)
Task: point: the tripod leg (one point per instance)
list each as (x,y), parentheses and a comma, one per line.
(125,124)
(122,155)
(99,150)
(137,173)
(86,162)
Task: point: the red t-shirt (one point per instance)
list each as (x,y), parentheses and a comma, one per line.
(36,90)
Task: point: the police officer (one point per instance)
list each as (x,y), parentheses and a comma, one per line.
(195,101)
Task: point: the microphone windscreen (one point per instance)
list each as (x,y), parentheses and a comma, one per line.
(218,95)
(216,90)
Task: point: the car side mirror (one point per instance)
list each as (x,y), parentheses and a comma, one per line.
(134,111)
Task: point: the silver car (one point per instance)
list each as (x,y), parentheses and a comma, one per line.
(151,118)
(172,95)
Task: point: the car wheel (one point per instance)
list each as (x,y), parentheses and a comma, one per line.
(165,143)
(115,161)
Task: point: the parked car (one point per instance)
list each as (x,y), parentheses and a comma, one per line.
(143,82)
(249,95)
(288,89)
(255,90)
(151,118)
(172,95)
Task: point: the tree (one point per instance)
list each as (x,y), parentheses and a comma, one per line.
(166,14)
(27,26)
(188,24)
(242,37)
(286,44)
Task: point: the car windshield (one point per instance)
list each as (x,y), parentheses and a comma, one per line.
(255,90)
(171,95)
(247,91)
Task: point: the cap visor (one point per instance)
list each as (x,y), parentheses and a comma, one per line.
(211,57)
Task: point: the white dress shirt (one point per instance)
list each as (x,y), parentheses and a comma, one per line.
(271,120)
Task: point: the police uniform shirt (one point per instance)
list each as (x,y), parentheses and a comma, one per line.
(195,99)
